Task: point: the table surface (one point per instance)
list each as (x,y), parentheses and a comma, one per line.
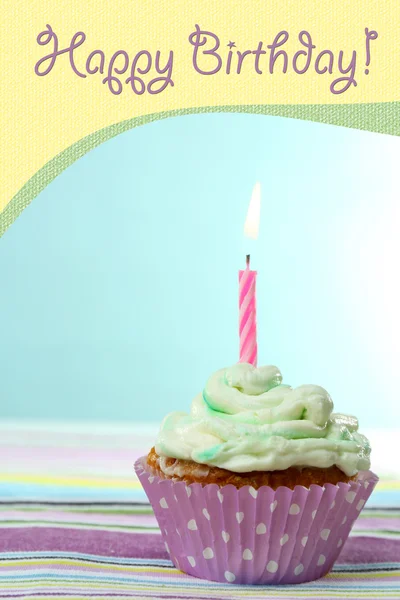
(75,523)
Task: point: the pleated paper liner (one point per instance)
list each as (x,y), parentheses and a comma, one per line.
(250,536)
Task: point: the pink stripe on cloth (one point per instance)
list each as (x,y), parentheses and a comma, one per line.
(53,453)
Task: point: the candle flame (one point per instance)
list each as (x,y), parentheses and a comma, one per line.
(252,222)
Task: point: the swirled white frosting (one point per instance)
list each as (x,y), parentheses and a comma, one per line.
(247,420)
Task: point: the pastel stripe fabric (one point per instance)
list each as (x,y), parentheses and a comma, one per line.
(83,550)
(94,462)
(77,461)
(75,523)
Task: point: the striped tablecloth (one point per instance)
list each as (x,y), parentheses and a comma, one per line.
(74,523)
(53,550)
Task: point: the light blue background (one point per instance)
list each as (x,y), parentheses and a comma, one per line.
(119,282)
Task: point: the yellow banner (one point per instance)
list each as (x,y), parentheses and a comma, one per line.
(70,68)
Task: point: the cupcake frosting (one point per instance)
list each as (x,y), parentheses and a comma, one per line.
(247,420)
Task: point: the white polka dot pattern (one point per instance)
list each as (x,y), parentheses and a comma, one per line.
(284,539)
(192,525)
(350,497)
(225,536)
(208,553)
(299,569)
(261,528)
(253,492)
(239,517)
(230,577)
(206,514)
(325,533)
(273,505)
(250,536)
(272,566)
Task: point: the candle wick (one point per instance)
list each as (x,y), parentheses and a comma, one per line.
(247,261)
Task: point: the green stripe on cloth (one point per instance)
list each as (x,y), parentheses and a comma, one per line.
(61,550)
(140,517)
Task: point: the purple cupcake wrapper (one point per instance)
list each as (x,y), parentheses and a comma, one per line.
(250,536)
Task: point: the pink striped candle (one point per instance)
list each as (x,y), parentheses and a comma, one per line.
(247,286)
(247,315)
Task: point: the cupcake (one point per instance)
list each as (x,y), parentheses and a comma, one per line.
(260,483)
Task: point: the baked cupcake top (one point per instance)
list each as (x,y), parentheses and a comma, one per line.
(247,420)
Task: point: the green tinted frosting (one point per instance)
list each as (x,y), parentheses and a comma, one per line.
(247,420)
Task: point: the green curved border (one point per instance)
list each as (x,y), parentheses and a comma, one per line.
(381,117)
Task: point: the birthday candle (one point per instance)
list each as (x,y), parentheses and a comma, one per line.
(247,288)
(247,316)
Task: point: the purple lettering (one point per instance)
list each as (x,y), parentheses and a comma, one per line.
(167,80)
(91,56)
(241,56)
(196,41)
(280,39)
(305,40)
(134,80)
(329,68)
(229,62)
(45,38)
(111,79)
(369,35)
(76,41)
(258,53)
(348,81)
